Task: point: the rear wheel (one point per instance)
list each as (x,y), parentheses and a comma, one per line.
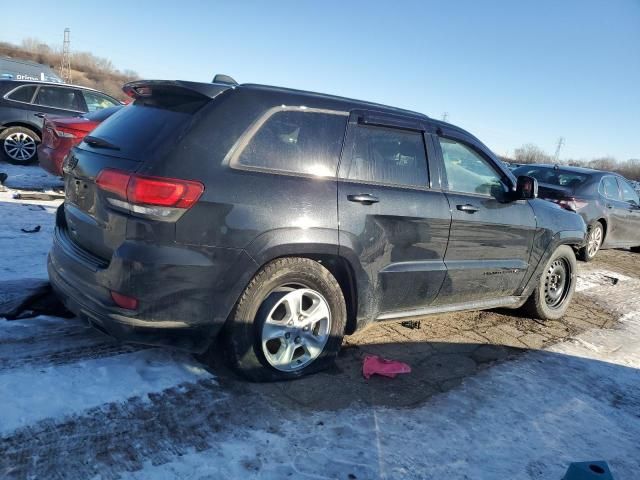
(19,145)
(594,242)
(289,322)
(556,286)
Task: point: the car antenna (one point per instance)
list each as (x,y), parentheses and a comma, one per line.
(221,78)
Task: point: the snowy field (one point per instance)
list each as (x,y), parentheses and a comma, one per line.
(74,404)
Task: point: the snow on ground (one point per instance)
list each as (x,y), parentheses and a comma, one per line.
(74,403)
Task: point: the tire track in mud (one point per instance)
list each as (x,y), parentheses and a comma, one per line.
(121,437)
(65,356)
(60,345)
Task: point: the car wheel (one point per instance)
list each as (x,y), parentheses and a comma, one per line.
(594,242)
(289,322)
(555,288)
(19,145)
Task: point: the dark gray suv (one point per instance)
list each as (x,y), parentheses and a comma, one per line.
(24,104)
(279,220)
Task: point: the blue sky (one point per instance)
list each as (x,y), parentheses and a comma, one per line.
(510,72)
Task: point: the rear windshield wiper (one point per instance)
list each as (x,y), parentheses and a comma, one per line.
(100,143)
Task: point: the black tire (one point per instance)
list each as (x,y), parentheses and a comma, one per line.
(16,156)
(539,305)
(243,334)
(589,251)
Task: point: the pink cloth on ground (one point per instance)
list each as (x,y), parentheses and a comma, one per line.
(388,368)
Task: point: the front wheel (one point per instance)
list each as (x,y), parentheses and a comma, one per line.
(19,145)
(289,322)
(555,288)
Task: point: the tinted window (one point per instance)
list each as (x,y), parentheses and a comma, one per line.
(23,94)
(386,155)
(468,171)
(97,101)
(143,128)
(56,97)
(554,176)
(628,193)
(609,188)
(297,141)
(102,114)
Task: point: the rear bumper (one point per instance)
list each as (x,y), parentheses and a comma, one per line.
(185,295)
(51,159)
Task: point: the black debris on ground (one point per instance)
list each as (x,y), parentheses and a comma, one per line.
(28,298)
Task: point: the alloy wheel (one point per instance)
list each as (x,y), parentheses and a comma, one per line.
(296,329)
(594,241)
(20,146)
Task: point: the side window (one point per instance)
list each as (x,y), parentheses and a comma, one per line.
(57,97)
(386,155)
(609,188)
(299,141)
(96,101)
(628,194)
(23,94)
(467,171)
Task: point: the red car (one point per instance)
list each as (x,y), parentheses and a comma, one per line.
(60,134)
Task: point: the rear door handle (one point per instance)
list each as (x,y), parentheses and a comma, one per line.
(364,198)
(467,208)
(40,115)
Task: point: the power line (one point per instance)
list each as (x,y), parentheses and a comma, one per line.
(65,65)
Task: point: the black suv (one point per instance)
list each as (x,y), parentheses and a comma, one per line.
(284,219)
(23,106)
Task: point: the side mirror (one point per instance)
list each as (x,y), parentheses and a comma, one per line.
(526,188)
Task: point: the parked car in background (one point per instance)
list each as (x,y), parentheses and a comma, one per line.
(608,204)
(60,134)
(23,106)
(209,208)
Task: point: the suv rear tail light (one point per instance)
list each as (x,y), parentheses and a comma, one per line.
(151,196)
(571,203)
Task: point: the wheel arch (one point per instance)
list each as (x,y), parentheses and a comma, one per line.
(34,128)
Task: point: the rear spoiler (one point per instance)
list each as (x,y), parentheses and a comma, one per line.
(145,88)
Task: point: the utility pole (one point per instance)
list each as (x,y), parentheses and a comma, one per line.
(65,64)
(445,115)
(560,144)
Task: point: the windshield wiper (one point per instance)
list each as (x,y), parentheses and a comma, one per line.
(100,143)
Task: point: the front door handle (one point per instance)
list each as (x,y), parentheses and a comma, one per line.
(609,206)
(467,208)
(40,115)
(363,198)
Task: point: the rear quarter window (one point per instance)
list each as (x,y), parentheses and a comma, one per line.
(293,140)
(23,94)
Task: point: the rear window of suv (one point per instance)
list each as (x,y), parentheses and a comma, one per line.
(23,94)
(140,130)
(293,140)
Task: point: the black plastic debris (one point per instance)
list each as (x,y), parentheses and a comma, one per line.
(27,298)
(47,197)
(411,324)
(588,471)
(32,230)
